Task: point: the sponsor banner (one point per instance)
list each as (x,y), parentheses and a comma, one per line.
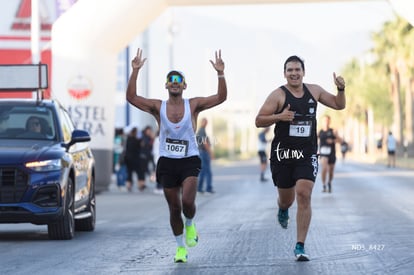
(86,90)
(15,39)
(16,17)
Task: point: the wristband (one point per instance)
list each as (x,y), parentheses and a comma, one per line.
(220,76)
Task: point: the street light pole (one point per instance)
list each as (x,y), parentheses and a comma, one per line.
(172,30)
(127,72)
(35,32)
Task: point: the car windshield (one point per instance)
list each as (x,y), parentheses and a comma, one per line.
(27,122)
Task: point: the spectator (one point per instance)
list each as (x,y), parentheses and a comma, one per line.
(344,149)
(391,149)
(132,160)
(119,158)
(156,154)
(206,154)
(262,143)
(147,144)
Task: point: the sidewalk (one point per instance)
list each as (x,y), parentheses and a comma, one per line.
(380,159)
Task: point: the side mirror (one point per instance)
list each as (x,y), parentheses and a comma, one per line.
(78,136)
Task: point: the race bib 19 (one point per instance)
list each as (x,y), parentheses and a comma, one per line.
(176,147)
(300,128)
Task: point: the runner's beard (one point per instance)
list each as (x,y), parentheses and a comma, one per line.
(175,94)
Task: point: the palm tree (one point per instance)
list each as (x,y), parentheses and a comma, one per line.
(407,52)
(388,51)
(368,100)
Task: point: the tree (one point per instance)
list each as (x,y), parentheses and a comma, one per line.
(392,50)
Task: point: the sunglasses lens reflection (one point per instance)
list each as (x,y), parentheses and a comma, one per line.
(175,78)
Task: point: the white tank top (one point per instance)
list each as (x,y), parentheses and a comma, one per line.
(177,140)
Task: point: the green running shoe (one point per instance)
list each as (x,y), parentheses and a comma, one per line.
(283,217)
(191,237)
(300,254)
(181,255)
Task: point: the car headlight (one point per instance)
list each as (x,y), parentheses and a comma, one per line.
(45,165)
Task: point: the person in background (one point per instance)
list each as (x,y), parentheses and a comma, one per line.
(36,127)
(119,158)
(133,161)
(391,149)
(344,149)
(156,154)
(327,152)
(33,125)
(179,163)
(293,161)
(147,144)
(206,155)
(262,143)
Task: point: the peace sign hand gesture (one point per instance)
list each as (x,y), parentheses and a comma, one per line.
(218,64)
(138,62)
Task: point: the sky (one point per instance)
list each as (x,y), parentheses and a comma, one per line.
(255,41)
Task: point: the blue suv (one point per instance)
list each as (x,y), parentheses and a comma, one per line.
(47,169)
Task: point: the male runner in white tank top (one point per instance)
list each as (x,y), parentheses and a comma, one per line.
(179,163)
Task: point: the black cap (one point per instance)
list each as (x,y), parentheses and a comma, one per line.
(173,72)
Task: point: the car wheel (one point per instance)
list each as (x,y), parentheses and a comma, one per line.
(64,229)
(88,224)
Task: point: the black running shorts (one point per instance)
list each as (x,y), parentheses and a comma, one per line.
(262,157)
(172,172)
(331,158)
(286,174)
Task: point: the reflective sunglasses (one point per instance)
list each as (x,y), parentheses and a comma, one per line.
(175,78)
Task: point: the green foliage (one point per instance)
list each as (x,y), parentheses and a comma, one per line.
(369,83)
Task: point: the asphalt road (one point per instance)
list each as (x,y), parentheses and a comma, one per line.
(365,226)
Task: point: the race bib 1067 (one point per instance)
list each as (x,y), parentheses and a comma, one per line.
(176,147)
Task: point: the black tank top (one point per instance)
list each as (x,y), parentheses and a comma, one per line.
(327,149)
(296,140)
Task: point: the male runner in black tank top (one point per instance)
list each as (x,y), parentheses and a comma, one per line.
(293,161)
(327,152)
